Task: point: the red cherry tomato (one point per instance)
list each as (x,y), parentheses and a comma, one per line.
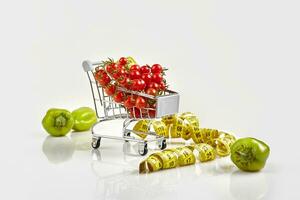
(103,79)
(145,69)
(151,91)
(123,61)
(110,89)
(137,84)
(120,67)
(135,74)
(119,97)
(122,72)
(162,86)
(135,112)
(111,68)
(129,102)
(98,74)
(147,77)
(157,78)
(142,85)
(156,68)
(99,71)
(116,76)
(153,105)
(152,113)
(140,103)
(135,68)
(153,85)
(129,83)
(119,73)
(122,81)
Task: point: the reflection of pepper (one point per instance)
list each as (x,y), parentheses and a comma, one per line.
(84,118)
(58,122)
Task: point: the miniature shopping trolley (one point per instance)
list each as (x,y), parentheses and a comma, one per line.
(107,109)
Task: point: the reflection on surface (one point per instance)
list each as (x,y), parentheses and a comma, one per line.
(82,140)
(132,148)
(58,149)
(118,175)
(129,149)
(119,179)
(247,185)
(224,166)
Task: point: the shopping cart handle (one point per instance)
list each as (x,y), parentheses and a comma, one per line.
(89,66)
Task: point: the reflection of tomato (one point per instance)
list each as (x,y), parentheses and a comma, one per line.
(140,102)
(119,97)
(110,89)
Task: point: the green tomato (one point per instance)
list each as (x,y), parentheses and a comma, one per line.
(84,118)
(58,122)
(249,154)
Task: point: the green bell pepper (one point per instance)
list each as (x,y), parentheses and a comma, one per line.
(249,154)
(84,118)
(58,122)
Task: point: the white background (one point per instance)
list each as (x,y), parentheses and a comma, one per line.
(234,63)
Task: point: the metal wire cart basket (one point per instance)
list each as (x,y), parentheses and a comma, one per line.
(107,109)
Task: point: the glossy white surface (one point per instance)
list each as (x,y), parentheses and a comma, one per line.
(43,167)
(234,63)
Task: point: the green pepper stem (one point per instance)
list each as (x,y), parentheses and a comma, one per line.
(60,121)
(241,153)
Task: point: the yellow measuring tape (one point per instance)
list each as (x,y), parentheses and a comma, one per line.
(223,144)
(208,143)
(169,158)
(142,126)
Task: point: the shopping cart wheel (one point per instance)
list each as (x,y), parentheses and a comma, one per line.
(143,150)
(96,143)
(163,144)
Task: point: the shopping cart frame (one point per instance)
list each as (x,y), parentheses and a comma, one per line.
(166,104)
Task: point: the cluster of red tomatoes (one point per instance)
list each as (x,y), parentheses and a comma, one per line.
(125,74)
